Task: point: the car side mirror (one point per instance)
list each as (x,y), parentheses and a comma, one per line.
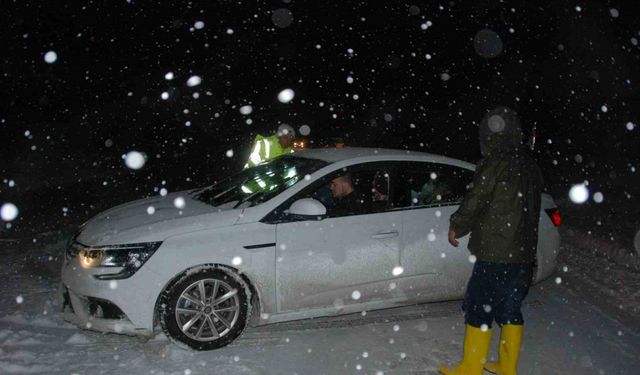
(308,208)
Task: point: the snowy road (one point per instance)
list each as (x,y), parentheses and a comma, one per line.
(571,329)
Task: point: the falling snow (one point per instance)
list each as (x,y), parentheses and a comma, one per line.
(194,81)
(579,193)
(598,197)
(8,212)
(286,95)
(179,202)
(397,271)
(246,110)
(50,57)
(305,130)
(134,160)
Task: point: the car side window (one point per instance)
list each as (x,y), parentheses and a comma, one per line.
(425,184)
(357,190)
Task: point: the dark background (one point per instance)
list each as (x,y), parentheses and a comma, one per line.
(65,126)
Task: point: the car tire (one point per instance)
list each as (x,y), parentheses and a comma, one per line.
(205,321)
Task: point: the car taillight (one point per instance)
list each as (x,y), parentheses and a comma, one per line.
(554,214)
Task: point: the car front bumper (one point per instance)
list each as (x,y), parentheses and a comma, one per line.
(87,313)
(112,306)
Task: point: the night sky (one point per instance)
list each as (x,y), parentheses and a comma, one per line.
(410,75)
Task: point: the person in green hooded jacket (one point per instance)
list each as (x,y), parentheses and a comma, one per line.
(501,212)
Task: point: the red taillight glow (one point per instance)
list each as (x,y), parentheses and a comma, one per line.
(554,214)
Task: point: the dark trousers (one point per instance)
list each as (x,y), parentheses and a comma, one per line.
(495,292)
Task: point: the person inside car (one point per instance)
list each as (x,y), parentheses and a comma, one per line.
(347,198)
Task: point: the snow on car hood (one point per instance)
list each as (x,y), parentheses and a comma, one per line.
(136,221)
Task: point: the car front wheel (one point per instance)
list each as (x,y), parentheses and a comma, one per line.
(205,310)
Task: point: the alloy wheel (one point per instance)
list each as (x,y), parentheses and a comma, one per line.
(207,309)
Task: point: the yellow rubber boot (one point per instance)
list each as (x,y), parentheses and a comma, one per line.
(475,351)
(509,351)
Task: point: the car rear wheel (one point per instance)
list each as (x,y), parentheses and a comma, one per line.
(205,310)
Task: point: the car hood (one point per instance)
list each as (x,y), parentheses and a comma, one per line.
(135,222)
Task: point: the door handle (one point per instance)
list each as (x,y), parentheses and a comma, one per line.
(381,235)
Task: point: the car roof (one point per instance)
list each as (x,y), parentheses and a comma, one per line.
(333,155)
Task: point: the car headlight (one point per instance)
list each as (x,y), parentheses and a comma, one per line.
(129,257)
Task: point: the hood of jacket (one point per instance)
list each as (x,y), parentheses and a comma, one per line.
(500,132)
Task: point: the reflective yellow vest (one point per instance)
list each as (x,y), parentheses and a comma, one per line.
(265,149)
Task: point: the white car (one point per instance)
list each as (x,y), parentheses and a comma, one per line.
(269,245)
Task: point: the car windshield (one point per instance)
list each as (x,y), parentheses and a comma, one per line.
(258,184)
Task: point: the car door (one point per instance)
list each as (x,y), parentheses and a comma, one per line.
(429,194)
(344,258)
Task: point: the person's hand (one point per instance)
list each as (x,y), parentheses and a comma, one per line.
(452,238)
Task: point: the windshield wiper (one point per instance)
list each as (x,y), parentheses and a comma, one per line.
(248,198)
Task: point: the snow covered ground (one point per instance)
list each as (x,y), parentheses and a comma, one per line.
(583,320)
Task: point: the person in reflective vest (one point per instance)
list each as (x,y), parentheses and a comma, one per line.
(267,148)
